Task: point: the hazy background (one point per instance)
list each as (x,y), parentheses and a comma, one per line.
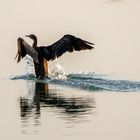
(113,25)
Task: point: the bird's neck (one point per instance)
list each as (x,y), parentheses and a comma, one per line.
(35,42)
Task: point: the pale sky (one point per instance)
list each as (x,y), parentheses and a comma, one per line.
(112,25)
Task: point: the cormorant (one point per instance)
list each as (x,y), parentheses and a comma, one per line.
(42,54)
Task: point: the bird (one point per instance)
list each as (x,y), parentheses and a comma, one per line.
(39,54)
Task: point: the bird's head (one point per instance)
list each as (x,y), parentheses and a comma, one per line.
(32,36)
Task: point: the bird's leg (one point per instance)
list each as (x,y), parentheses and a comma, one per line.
(41,69)
(45,67)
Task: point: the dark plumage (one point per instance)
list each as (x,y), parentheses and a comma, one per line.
(23,49)
(68,43)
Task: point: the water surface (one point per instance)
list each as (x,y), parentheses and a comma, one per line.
(40,110)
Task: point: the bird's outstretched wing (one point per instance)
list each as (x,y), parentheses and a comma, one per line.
(67,43)
(23,49)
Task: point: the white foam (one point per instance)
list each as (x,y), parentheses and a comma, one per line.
(56,71)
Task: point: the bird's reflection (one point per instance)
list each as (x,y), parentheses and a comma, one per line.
(44,98)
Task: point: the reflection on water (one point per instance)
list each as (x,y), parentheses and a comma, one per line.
(69,108)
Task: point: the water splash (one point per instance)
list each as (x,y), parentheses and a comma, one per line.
(89,81)
(86,81)
(29,68)
(56,71)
